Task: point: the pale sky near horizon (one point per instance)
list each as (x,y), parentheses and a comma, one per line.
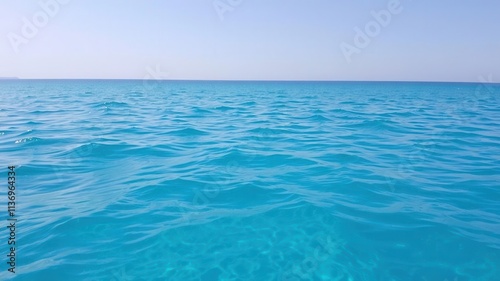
(423,40)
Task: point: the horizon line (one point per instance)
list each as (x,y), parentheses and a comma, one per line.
(246,80)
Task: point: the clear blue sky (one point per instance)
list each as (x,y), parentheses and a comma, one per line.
(428,40)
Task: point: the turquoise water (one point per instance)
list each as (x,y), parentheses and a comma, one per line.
(145,180)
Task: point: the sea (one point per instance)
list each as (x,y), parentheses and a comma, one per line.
(121,180)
